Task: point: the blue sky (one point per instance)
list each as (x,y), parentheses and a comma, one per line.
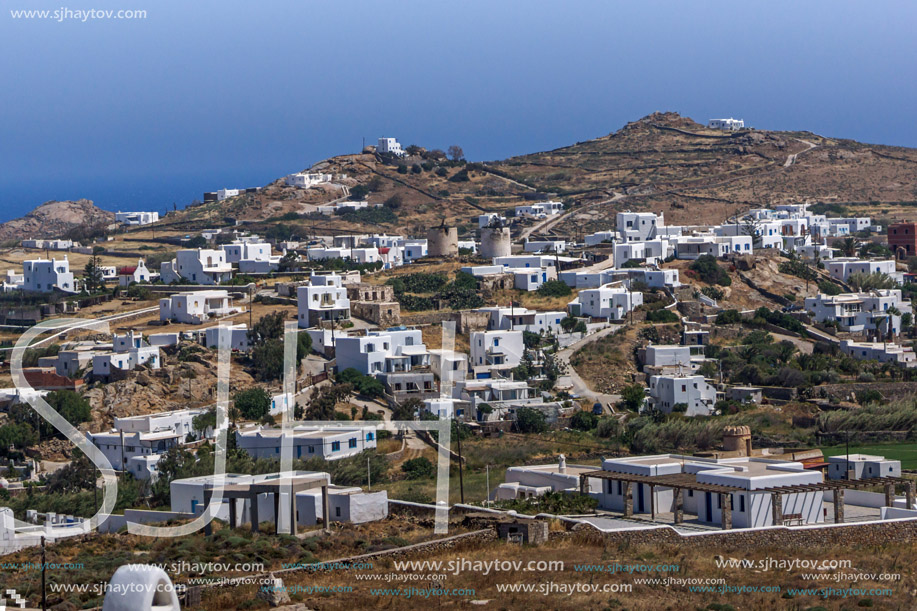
(201,95)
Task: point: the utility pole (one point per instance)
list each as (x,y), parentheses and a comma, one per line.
(487,483)
(250,307)
(458,434)
(369,482)
(44,599)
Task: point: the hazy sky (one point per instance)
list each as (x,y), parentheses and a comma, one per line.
(204,94)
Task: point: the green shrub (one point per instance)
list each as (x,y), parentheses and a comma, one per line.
(662,315)
(554,288)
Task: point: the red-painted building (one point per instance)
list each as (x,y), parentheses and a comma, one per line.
(903,237)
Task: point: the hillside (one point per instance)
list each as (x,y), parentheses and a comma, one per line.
(55,219)
(663,162)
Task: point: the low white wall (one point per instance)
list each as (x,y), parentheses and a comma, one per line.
(861,498)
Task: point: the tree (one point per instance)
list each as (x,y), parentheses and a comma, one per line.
(413,149)
(93,279)
(419,468)
(584,421)
(393,202)
(849,246)
(267,360)
(269,326)
(456,153)
(530,420)
(554,288)
(751,228)
(531,340)
(632,396)
(72,406)
(252,403)
(870,282)
(207,420)
(288,262)
(80,474)
(407,409)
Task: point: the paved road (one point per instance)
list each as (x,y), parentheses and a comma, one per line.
(579,385)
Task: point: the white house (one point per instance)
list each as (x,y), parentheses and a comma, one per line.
(879,310)
(862,466)
(129,351)
(729,124)
(523,319)
(540,209)
(610,302)
(667,391)
(390,146)
(44,276)
(673,358)
(544,245)
(200,265)
(304,180)
(226,193)
(600,237)
(883,352)
(247,250)
(491,219)
(842,267)
(693,247)
(238,335)
(136,218)
(137,452)
(638,226)
(749,479)
(536,480)
(398,350)
(324,299)
(328,443)
(346,504)
(195,307)
(414,249)
(138,273)
(500,349)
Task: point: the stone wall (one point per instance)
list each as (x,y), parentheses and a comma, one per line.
(873,533)
(384,314)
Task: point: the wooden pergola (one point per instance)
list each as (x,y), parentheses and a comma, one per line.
(837,488)
(274,487)
(679,482)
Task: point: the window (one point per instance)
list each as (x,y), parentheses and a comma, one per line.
(335,446)
(690,493)
(352,443)
(370,436)
(337,512)
(742,502)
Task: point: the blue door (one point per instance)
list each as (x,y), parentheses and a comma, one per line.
(193,506)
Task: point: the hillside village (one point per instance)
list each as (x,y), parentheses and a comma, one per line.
(588,350)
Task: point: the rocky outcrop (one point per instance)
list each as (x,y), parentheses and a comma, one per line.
(55,219)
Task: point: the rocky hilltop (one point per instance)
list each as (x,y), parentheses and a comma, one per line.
(55,219)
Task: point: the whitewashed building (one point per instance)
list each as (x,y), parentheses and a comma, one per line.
(131,274)
(390,146)
(42,275)
(398,350)
(540,209)
(238,337)
(668,391)
(609,302)
(136,218)
(883,352)
(328,443)
(200,266)
(500,349)
(323,300)
(843,267)
(879,310)
(750,477)
(729,124)
(304,180)
(196,307)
